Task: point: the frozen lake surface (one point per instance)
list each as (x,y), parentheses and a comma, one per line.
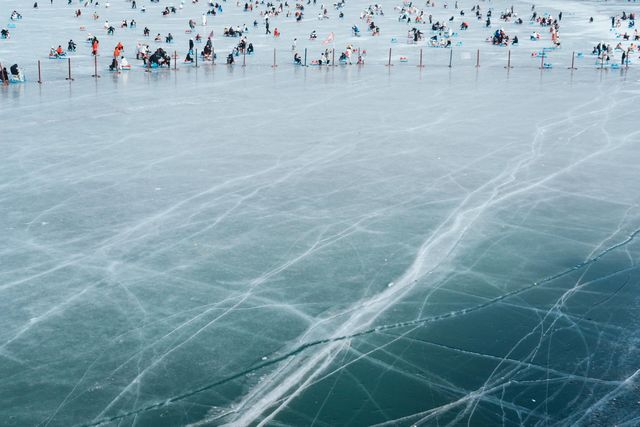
(321,246)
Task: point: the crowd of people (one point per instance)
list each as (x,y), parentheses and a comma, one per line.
(419,19)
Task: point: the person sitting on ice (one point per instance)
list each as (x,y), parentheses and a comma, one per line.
(356,31)
(206,53)
(15,15)
(343,57)
(124,63)
(515,40)
(4,33)
(230,59)
(464,26)
(114,65)
(16,73)
(158,38)
(169,38)
(313,35)
(71,46)
(250,49)
(111,30)
(296,59)
(144,51)
(59,51)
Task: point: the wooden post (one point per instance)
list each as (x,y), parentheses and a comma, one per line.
(213,56)
(478,59)
(39,73)
(244,57)
(509,61)
(542,61)
(573,62)
(602,62)
(69,77)
(305,56)
(95,65)
(333,57)
(196,57)
(389,63)
(175,60)
(421,65)
(274,58)
(450,57)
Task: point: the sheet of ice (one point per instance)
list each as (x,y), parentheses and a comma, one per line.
(349,246)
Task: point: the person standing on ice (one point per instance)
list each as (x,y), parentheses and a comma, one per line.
(116,54)
(204,19)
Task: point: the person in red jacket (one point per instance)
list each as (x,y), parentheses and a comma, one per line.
(94,47)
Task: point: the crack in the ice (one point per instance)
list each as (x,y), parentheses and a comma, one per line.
(369,331)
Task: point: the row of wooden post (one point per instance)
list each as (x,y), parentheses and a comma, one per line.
(274,65)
